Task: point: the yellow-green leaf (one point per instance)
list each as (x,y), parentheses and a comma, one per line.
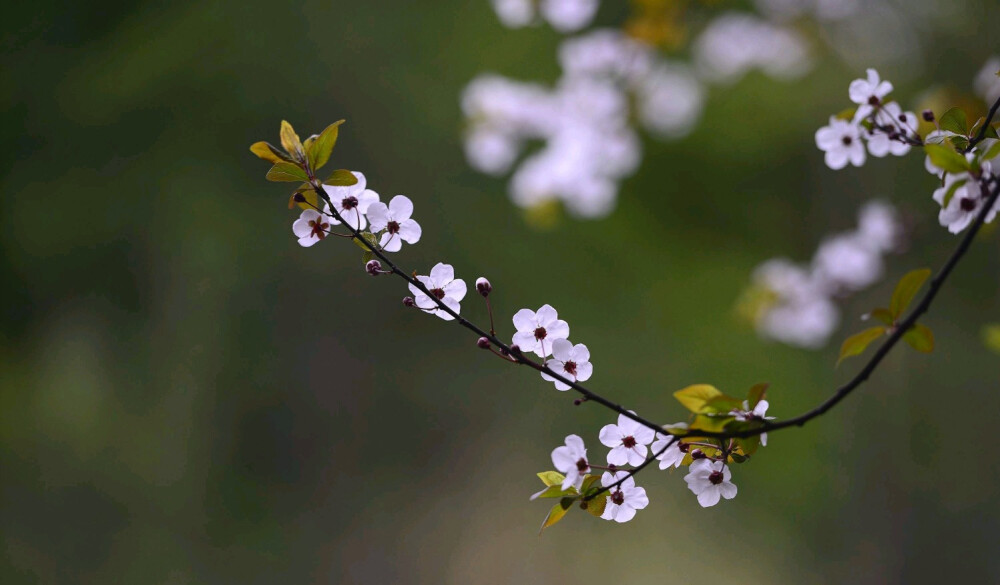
(991,337)
(946,159)
(596,506)
(920,338)
(309,193)
(553,491)
(696,397)
(906,290)
(341,178)
(318,150)
(883,315)
(556,513)
(756,394)
(551,478)
(955,120)
(857,343)
(713,424)
(268,152)
(286,173)
(290,140)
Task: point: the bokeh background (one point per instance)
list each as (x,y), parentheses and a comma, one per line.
(190,397)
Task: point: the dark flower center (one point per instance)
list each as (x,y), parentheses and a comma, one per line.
(874,100)
(349,202)
(318,229)
(582,466)
(967,204)
(847,140)
(570,368)
(902,118)
(393,227)
(618,498)
(540,333)
(715,477)
(437,292)
(629,442)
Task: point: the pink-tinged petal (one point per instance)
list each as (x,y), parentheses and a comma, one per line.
(636,498)
(708,498)
(562,386)
(728,490)
(546,315)
(575,443)
(452,304)
(763,439)
(366,200)
(401,208)
(580,353)
(644,435)
(626,426)
(390,242)
(609,510)
(857,154)
(524,320)
(624,514)
(425,302)
(307,241)
(301,228)
(858,91)
(455,289)
(414,290)
(571,478)
(608,478)
(610,436)
(562,350)
(564,459)
(879,145)
(828,137)
(410,231)
(637,455)
(557,329)
(836,159)
(378,216)
(547,377)
(442,274)
(525,340)
(584,371)
(618,455)
(883,89)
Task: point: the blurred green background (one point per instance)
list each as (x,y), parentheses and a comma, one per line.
(190,397)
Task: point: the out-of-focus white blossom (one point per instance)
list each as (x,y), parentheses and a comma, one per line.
(868,93)
(892,116)
(987,83)
(564,15)
(841,141)
(735,43)
(967,201)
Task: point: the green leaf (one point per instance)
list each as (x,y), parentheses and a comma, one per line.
(696,397)
(955,120)
(722,405)
(341,178)
(906,290)
(556,513)
(857,343)
(992,152)
(756,394)
(946,159)
(372,243)
(367,256)
(951,191)
(318,150)
(991,337)
(290,140)
(551,478)
(883,315)
(309,193)
(847,114)
(920,338)
(596,506)
(286,173)
(713,424)
(549,492)
(268,152)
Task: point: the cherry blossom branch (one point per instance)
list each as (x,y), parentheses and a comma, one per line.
(513,351)
(986,124)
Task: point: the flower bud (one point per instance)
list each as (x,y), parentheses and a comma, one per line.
(409,302)
(697,454)
(684,447)
(515,348)
(928,115)
(483,343)
(483,286)
(374,267)
(299,197)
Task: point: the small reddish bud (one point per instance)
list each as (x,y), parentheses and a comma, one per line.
(697,454)
(684,447)
(374,267)
(483,286)
(928,115)
(577,402)
(299,198)
(515,348)
(409,302)
(483,343)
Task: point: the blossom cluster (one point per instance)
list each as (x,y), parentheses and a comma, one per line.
(587,120)
(562,15)
(796,304)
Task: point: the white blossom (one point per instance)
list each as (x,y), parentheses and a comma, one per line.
(879,226)
(444,286)
(564,15)
(672,456)
(868,93)
(734,43)
(966,202)
(571,461)
(710,481)
(536,331)
(759,412)
(847,262)
(987,83)
(395,220)
(841,141)
(310,227)
(628,441)
(624,500)
(352,202)
(570,361)
(891,115)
